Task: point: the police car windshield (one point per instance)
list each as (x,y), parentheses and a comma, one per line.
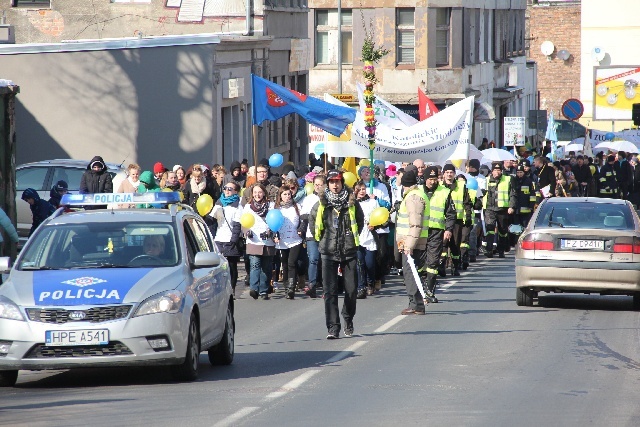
(100,245)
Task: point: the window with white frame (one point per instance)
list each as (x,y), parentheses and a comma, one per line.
(405,35)
(326,36)
(31,3)
(443,32)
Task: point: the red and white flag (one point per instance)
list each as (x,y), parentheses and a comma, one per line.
(426,106)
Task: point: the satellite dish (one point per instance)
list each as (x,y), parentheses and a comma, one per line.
(564,54)
(547,48)
(597,53)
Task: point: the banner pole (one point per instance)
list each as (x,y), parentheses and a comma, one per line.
(255,145)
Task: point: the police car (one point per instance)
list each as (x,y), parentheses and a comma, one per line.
(117,287)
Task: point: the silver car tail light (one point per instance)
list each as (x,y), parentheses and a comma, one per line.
(537,242)
(626,245)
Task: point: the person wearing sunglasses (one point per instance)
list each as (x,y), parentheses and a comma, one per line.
(228,237)
(262,178)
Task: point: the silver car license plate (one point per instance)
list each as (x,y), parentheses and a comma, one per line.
(582,244)
(77,337)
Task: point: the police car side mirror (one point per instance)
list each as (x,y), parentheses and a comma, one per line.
(5,265)
(516,229)
(206,259)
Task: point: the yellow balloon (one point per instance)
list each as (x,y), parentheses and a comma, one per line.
(457,163)
(204,204)
(247,220)
(364,162)
(350,178)
(308,188)
(378,216)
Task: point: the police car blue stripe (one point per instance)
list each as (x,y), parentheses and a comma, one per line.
(84,287)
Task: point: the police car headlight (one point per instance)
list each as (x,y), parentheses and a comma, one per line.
(166,302)
(9,310)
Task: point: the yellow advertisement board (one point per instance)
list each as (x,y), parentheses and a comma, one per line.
(615,91)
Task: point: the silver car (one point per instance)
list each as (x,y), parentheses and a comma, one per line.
(580,245)
(117,288)
(43,175)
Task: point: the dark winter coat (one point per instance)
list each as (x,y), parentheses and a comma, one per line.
(338,243)
(40,210)
(96,181)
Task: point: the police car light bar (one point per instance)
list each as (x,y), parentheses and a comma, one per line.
(161,197)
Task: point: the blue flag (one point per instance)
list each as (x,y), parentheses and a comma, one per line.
(272,102)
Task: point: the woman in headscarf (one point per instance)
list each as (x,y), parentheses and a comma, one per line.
(260,244)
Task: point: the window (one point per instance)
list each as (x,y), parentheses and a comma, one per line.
(31,3)
(326,36)
(443,16)
(405,30)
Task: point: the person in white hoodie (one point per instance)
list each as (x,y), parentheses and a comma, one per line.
(314,271)
(260,244)
(368,243)
(289,238)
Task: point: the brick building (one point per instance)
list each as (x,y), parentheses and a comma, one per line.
(559,23)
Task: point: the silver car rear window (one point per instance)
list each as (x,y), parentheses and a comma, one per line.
(585,215)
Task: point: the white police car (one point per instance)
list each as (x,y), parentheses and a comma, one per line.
(117,287)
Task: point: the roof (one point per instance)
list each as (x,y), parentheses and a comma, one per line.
(110,44)
(560,200)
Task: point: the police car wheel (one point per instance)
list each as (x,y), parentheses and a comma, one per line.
(222,353)
(188,370)
(8,378)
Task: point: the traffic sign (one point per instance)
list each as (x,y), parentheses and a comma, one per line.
(572,109)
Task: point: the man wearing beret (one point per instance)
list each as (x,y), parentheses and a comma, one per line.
(499,202)
(442,219)
(412,229)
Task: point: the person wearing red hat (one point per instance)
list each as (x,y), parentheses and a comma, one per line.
(158,171)
(337,222)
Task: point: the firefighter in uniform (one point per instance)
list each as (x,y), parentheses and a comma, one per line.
(462,203)
(412,227)
(608,183)
(468,222)
(526,195)
(499,202)
(442,218)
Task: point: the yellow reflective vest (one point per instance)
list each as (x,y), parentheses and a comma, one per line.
(437,207)
(320,225)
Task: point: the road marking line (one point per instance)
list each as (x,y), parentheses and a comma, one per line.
(346,353)
(233,418)
(448,285)
(291,385)
(389,324)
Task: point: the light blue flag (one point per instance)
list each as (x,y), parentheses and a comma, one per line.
(551,135)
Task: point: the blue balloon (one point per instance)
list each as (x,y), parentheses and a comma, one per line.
(609,136)
(276,160)
(274,220)
(472,183)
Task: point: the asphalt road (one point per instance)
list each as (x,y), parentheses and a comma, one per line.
(475,359)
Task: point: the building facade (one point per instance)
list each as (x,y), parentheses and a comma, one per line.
(450,48)
(264,37)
